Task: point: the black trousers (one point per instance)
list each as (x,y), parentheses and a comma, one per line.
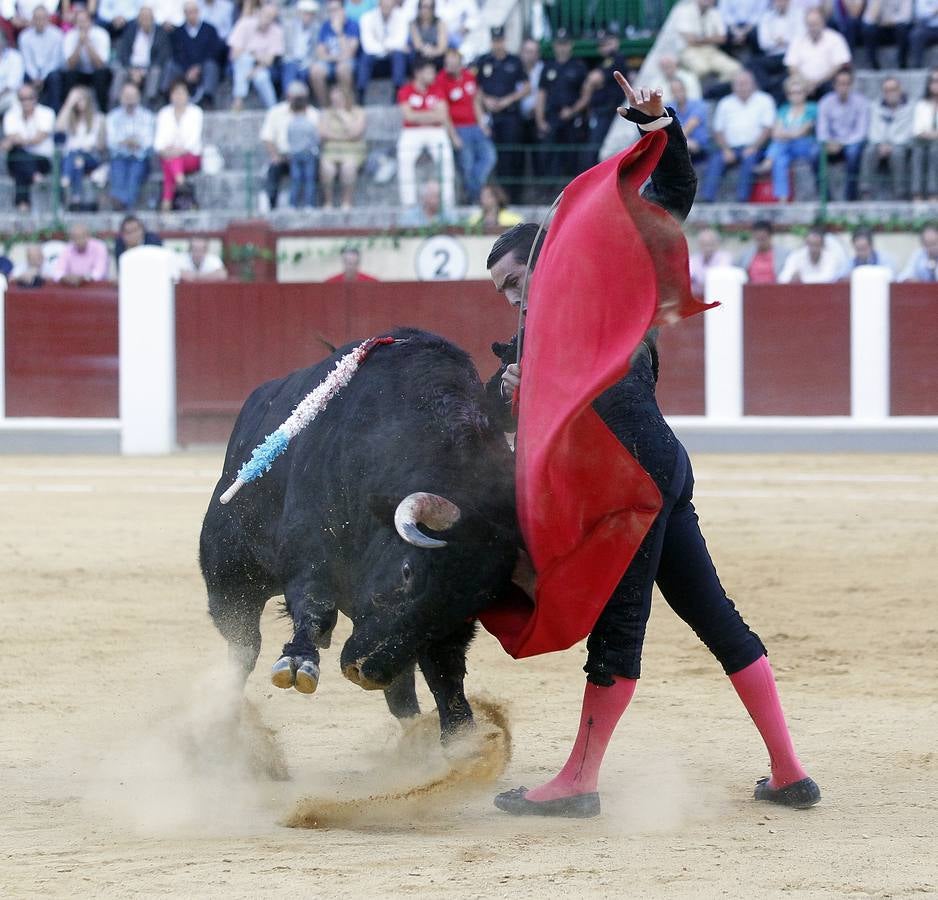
(23,166)
(276,172)
(508,131)
(674,555)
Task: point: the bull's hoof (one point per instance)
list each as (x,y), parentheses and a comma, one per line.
(307,677)
(283,673)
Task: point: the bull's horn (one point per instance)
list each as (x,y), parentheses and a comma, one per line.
(432,510)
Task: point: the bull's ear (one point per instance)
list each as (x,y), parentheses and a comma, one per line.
(382,507)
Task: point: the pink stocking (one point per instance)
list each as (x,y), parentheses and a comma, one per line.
(602,709)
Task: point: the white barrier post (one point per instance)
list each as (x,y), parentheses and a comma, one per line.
(869,342)
(723,343)
(147,329)
(3,348)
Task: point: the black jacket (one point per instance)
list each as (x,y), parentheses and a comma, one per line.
(159,49)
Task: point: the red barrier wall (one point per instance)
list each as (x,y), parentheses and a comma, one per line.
(232,337)
(681,387)
(913,340)
(796,350)
(61,351)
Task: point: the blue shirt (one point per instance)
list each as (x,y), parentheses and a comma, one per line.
(698,109)
(328,36)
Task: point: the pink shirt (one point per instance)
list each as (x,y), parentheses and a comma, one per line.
(92,264)
(248,38)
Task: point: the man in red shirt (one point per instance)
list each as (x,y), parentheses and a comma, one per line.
(351,260)
(427,126)
(475,150)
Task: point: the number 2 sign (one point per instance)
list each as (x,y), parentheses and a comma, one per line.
(441,258)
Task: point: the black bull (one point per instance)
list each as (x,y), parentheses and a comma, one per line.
(351,518)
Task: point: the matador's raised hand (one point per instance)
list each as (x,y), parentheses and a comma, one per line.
(645,100)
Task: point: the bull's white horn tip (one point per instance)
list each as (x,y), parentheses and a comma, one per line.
(238,484)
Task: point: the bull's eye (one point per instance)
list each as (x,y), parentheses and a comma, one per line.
(406,571)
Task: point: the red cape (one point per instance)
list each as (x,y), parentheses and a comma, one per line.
(612,265)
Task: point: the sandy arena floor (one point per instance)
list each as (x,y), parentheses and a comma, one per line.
(120,776)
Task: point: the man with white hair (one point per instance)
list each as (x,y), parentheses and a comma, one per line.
(141,52)
(742,126)
(196,49)
(817,55)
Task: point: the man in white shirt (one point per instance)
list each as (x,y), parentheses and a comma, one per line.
(703,32)
(817,55)
(27,141)
(275,138)
(814,263)
(12,74)
(384,35)
(200,265)
(41,46)
(778,26)
(742,125)
(87,50)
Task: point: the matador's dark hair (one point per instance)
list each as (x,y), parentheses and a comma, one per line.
(517,240)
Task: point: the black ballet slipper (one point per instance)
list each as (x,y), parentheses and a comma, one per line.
(579,806)
(798,795)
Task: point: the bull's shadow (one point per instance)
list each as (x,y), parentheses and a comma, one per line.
(394,506)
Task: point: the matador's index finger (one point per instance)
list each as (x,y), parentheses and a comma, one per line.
(626,87)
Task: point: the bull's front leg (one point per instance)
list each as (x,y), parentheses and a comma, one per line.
(313,621)
(443,664)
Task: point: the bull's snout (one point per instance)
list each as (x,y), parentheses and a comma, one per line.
(353,672)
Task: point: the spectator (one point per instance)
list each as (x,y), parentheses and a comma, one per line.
(708,255)
(693,115)
(178,141)
(887,21)
(703,32)
(116,15)
(200,265)
(84,258)
(355,10)
(474,148)
(35,271)
(847,18)
(778,26)
(741,18)
(300,45)
(792,138)
(814,263)
(924,31)
(889,137)
(426,126)
(83,126)
(763,260)
(493,209)
(817,55)
(302,146)
(256,42)
(668,67)
(428,35)
(141,55)
(276,139)
(925,142)
(12,73)
(561,104)
(220,15)
(430,211)
(742,125)
(130,131)
(336,52)
(195,49)
(865,254)
(87,50)
(342,128)
(41,46)
(460,17)
(502,87)
(604,96)
(842,126)
(351,267)
(384,34)
(132,233)
(169,14)
(27,141)
(923,266)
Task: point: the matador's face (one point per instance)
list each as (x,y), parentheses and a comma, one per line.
(508,276)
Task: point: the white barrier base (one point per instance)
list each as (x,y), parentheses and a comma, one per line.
(51,435)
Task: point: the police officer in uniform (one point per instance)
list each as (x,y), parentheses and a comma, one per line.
(560,110)
(503,84)
(604,93)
